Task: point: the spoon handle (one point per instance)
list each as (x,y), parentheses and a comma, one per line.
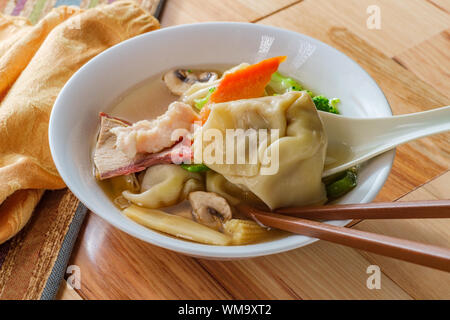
(375,210)
(408,127)
(369,137)
(415,252)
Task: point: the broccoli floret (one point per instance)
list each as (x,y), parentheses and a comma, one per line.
(324,104)
(281,84)
(333,105)
(321,102)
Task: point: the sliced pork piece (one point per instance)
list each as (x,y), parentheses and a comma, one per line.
(111,162)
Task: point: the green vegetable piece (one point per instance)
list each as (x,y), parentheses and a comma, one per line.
(322,103)
(200,103)
(340,187)
(195,167)
(339,175)
(355,169)
(281,84)
(333,105)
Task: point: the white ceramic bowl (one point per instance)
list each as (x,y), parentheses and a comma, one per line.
(74,120)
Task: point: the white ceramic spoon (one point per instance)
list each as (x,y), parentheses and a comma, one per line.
(366,138)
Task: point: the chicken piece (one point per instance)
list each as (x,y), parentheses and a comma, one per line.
(153,136)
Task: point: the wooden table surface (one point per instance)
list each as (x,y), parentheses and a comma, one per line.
(409,57)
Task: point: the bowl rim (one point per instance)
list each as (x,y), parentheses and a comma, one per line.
(179,245)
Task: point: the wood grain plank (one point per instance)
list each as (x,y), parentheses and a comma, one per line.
(430,61)
(319,271)
(115,265)
(189,11)
(444,5)
(439,188)
(66,293)
(419,282)
(402,26)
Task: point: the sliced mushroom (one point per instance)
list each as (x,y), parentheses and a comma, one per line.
(179,80)
(210,209)
(207,76)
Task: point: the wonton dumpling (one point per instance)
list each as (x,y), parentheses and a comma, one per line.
(234,194)
(301,145)
(165,185)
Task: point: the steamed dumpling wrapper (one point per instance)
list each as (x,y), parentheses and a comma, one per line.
(233,193)
(35,63)
(301,147)
(165,185)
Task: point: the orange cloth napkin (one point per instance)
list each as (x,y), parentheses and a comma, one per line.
(35,63)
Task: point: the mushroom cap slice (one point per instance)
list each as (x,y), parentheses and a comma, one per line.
(207,76)
(175,81)
(210,209)
(179,80)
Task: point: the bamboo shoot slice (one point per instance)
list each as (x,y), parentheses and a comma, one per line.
(175,225)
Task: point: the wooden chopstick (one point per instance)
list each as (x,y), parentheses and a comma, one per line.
(381,210)
(159,9)
(415,252)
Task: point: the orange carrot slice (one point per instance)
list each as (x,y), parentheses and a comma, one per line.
(204,114)
(246,83)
